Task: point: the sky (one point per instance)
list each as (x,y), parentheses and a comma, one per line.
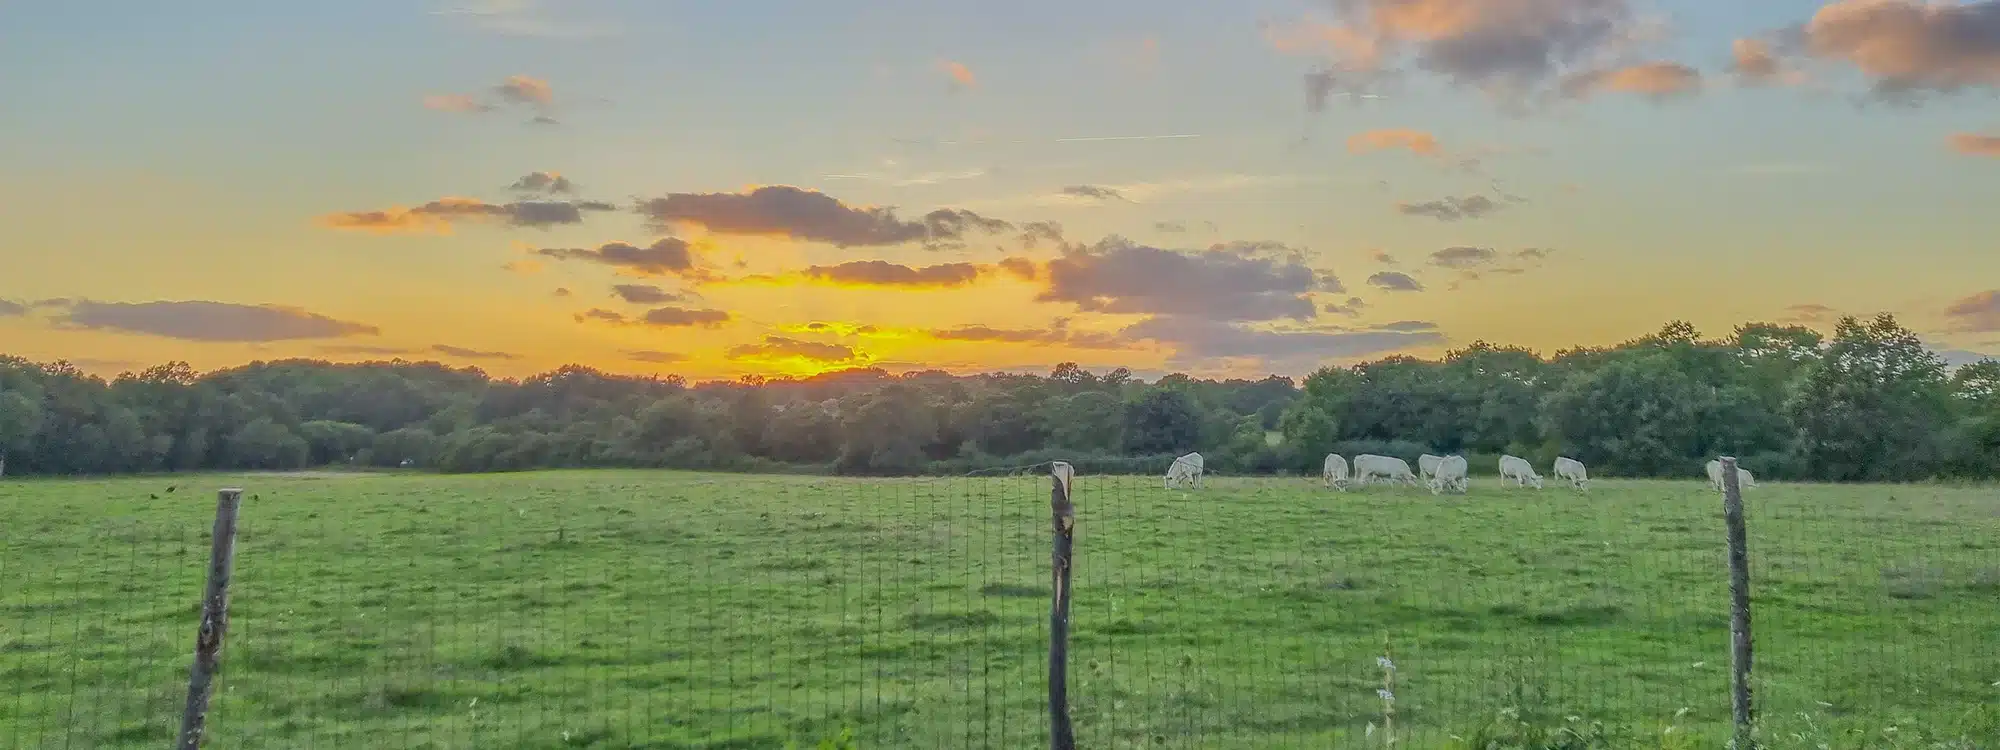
(782,187)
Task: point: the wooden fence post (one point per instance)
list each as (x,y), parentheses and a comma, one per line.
(214,620)
(1061,734)
(1739,605)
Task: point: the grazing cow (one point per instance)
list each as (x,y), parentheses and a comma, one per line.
(1185,470)
(1334,472)
(1450,472)
(1519,470)
(1571,470)
(1369,466)
(1743,477)
(1427,465)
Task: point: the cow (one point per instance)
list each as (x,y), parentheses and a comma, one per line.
(1572,470)
(1368,466)
(1743,476)
(1427,465)
(1334,472)
(1450,472)
(1519,470)
(1185,470)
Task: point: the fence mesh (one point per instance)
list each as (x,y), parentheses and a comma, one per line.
(637,609)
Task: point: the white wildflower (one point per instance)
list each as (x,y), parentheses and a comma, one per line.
(1390,666)
(1371,730)
(1387,697)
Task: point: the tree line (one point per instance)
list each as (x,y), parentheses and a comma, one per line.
(1868,403)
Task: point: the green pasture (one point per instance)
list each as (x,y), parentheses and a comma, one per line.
(683,610)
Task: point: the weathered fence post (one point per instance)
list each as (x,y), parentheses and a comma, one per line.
(1061,735)
(214,620)
(1739,604)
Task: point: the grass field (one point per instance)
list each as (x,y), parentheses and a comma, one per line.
(672,610)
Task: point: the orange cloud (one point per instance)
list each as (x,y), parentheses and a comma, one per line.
(960,74)
(1417,141)
(1656,80)
(455,103)
(1975,144)
(1909,46)
(437,216)
(877,274)
(523,267)
(526,90)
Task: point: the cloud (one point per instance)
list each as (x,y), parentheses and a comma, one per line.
(523,267)
(438,216)
(1020,268)
(658,358)
(543,182)
(1533,253)
(1451,209)
(1408,326)
(456,103)
(1975,144)
(1463,258)
(464,353)
(526,90)
(1977,313)
(561,291)
(884,273)
(1222,282)
(10,308)
(1198,342)
(524,18)
(781,348)
(1173,227)
(1511,50)
(644,294)
(1383,258)
(198,320)
(1395,281)
(1753,63)
(1658,81)
(373,351)
(1351,308)
(1059,333)
(1093,192)
(1416,141)
(662,317)
(1909,47)
(786,211)
(666,256)
(961,76)
(1810,312)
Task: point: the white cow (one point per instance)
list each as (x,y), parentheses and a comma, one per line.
(1368,466)
(1427,465)
(1743,477)
(1519,470)
(1572,471)
(1185,470)
(1334,472)
(1450,472)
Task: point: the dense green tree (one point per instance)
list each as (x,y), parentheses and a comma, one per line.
(1873,406)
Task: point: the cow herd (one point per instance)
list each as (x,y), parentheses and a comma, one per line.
(1439,473)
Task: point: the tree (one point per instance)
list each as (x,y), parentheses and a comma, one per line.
(1871,408)
(20,419)
(1163,421)
(265,444)
(1639,415)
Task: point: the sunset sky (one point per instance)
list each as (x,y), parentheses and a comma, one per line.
(779,186)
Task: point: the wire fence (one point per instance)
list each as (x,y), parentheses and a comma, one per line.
(634,609)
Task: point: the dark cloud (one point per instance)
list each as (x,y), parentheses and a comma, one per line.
(884,273)
(644,294)
(779,347)
(1463,258)
(1910,47)
(1198,341)
(603,315)
(1395,281)
(10,308)
(1450,208)
(1408,326)
(439,215)
(373,351)
(1383,258)
(1533,253)
(1513,50)
(1977,313)
(681,317)
(1034,233)
(198,320)
(543,120)
(783,210)
(1658,81)
(1353,307)
(464,353)
(658,358)
(1056,334)
(1093,191)
(1020,268)
(667,256)
(1119,276)
(561,291)
(543,182)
